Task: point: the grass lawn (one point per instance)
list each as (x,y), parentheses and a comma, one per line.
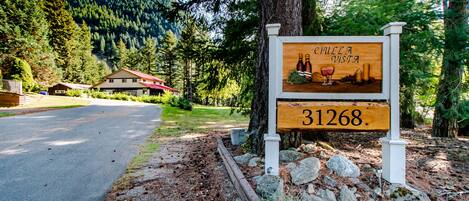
(176,123)
(6,114)
(40,101)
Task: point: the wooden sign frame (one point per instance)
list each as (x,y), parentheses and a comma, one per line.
(393,148)
(384,95)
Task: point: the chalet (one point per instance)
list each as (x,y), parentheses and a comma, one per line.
(61,88)
(133,83)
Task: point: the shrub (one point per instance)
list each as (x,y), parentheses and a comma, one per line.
(185,104)
(166,98)
(74,93)
(21,71)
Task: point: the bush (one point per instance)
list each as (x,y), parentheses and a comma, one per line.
(74,93)
(167,98)
(21,71)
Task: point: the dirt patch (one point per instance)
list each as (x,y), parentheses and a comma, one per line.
(186,168)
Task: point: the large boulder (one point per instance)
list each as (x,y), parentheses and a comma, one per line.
(244,159)
(253,161)
(346,194)
(343,166)
(398,192)
(269,187)
(306,171)
(290,155)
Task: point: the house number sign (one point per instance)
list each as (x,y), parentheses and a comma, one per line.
(336,83)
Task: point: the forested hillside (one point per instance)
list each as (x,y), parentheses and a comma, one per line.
(130,20)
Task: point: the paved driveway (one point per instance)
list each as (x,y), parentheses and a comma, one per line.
(71,154)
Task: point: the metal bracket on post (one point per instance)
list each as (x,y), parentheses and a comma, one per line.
(393,148)
(272,139)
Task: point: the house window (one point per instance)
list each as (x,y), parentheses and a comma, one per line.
(134,79)
(124,80)
(111,80)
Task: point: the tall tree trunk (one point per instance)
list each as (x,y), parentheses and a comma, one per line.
(449,89)
(288,14)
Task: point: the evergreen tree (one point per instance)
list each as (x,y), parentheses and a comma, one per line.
(102,45)
(169,58)
(149,56)
(445,121)
(122,54)
(64,37)
(24,34)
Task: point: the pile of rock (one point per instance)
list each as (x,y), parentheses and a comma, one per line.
(339,181)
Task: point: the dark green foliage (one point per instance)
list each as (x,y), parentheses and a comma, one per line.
(130,20)
(463,119)
(21,71)
(419,42)
(24,34)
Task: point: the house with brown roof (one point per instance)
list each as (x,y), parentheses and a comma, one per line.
(133,83)
(61,88)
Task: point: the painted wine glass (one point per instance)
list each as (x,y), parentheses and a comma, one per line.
(327,72)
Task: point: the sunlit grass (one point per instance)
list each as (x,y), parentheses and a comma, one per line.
(177,122)
(6,114)
(59,102)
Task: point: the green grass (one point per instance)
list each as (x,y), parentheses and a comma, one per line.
(65,106)
(6,114)
(177,122)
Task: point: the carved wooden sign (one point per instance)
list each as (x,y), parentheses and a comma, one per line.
(332,116)
(332,67)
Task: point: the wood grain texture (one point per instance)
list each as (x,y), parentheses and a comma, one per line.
(323,54)
(293,116)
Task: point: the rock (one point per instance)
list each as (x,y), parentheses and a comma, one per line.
(330,181)
(342,166)
(346,194)
(307,197)
(400,192)
(368,168)
(290,155)
(270,187)
(253,161)
(327,195)
(311,189)
(308,148)
(306,171)
(322,155)
(244,159)
(377,191)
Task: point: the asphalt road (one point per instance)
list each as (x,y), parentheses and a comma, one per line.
(71,154)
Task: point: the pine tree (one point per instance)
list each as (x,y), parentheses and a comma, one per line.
(102,45)
(149,56)
(64,38)
(445,121)
(169,58)
(122,54)
(24,34)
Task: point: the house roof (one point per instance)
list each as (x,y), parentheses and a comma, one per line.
(133,72)
(75,86)
(143,75)
(157,86)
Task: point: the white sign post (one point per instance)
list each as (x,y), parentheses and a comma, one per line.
(393,148)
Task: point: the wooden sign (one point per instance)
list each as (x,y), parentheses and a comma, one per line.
(363,116)
(332,67)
